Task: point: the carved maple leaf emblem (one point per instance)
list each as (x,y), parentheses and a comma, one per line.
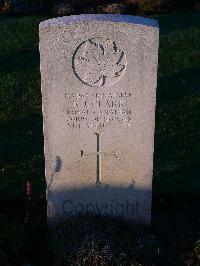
(99,62)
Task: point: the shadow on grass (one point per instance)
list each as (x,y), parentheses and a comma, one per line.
(179,85)
(177,149)
(21,153)
(21,138)
(23,59)
(97,240)
(178,21)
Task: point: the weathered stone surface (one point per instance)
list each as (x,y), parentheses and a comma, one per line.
(99,78)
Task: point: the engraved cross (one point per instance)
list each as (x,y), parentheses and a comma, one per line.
(99,155)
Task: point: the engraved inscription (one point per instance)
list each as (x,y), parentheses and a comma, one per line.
(99,110)
(99,62)
(99,154)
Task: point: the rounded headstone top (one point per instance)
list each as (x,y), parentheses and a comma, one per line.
(99,17)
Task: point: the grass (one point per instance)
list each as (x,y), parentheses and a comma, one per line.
(178,104)
(96,242)
(177,146)
(21,146)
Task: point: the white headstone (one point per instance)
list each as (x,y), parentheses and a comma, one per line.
(99,78)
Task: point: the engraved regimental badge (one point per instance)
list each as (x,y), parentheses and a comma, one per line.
(99,62)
